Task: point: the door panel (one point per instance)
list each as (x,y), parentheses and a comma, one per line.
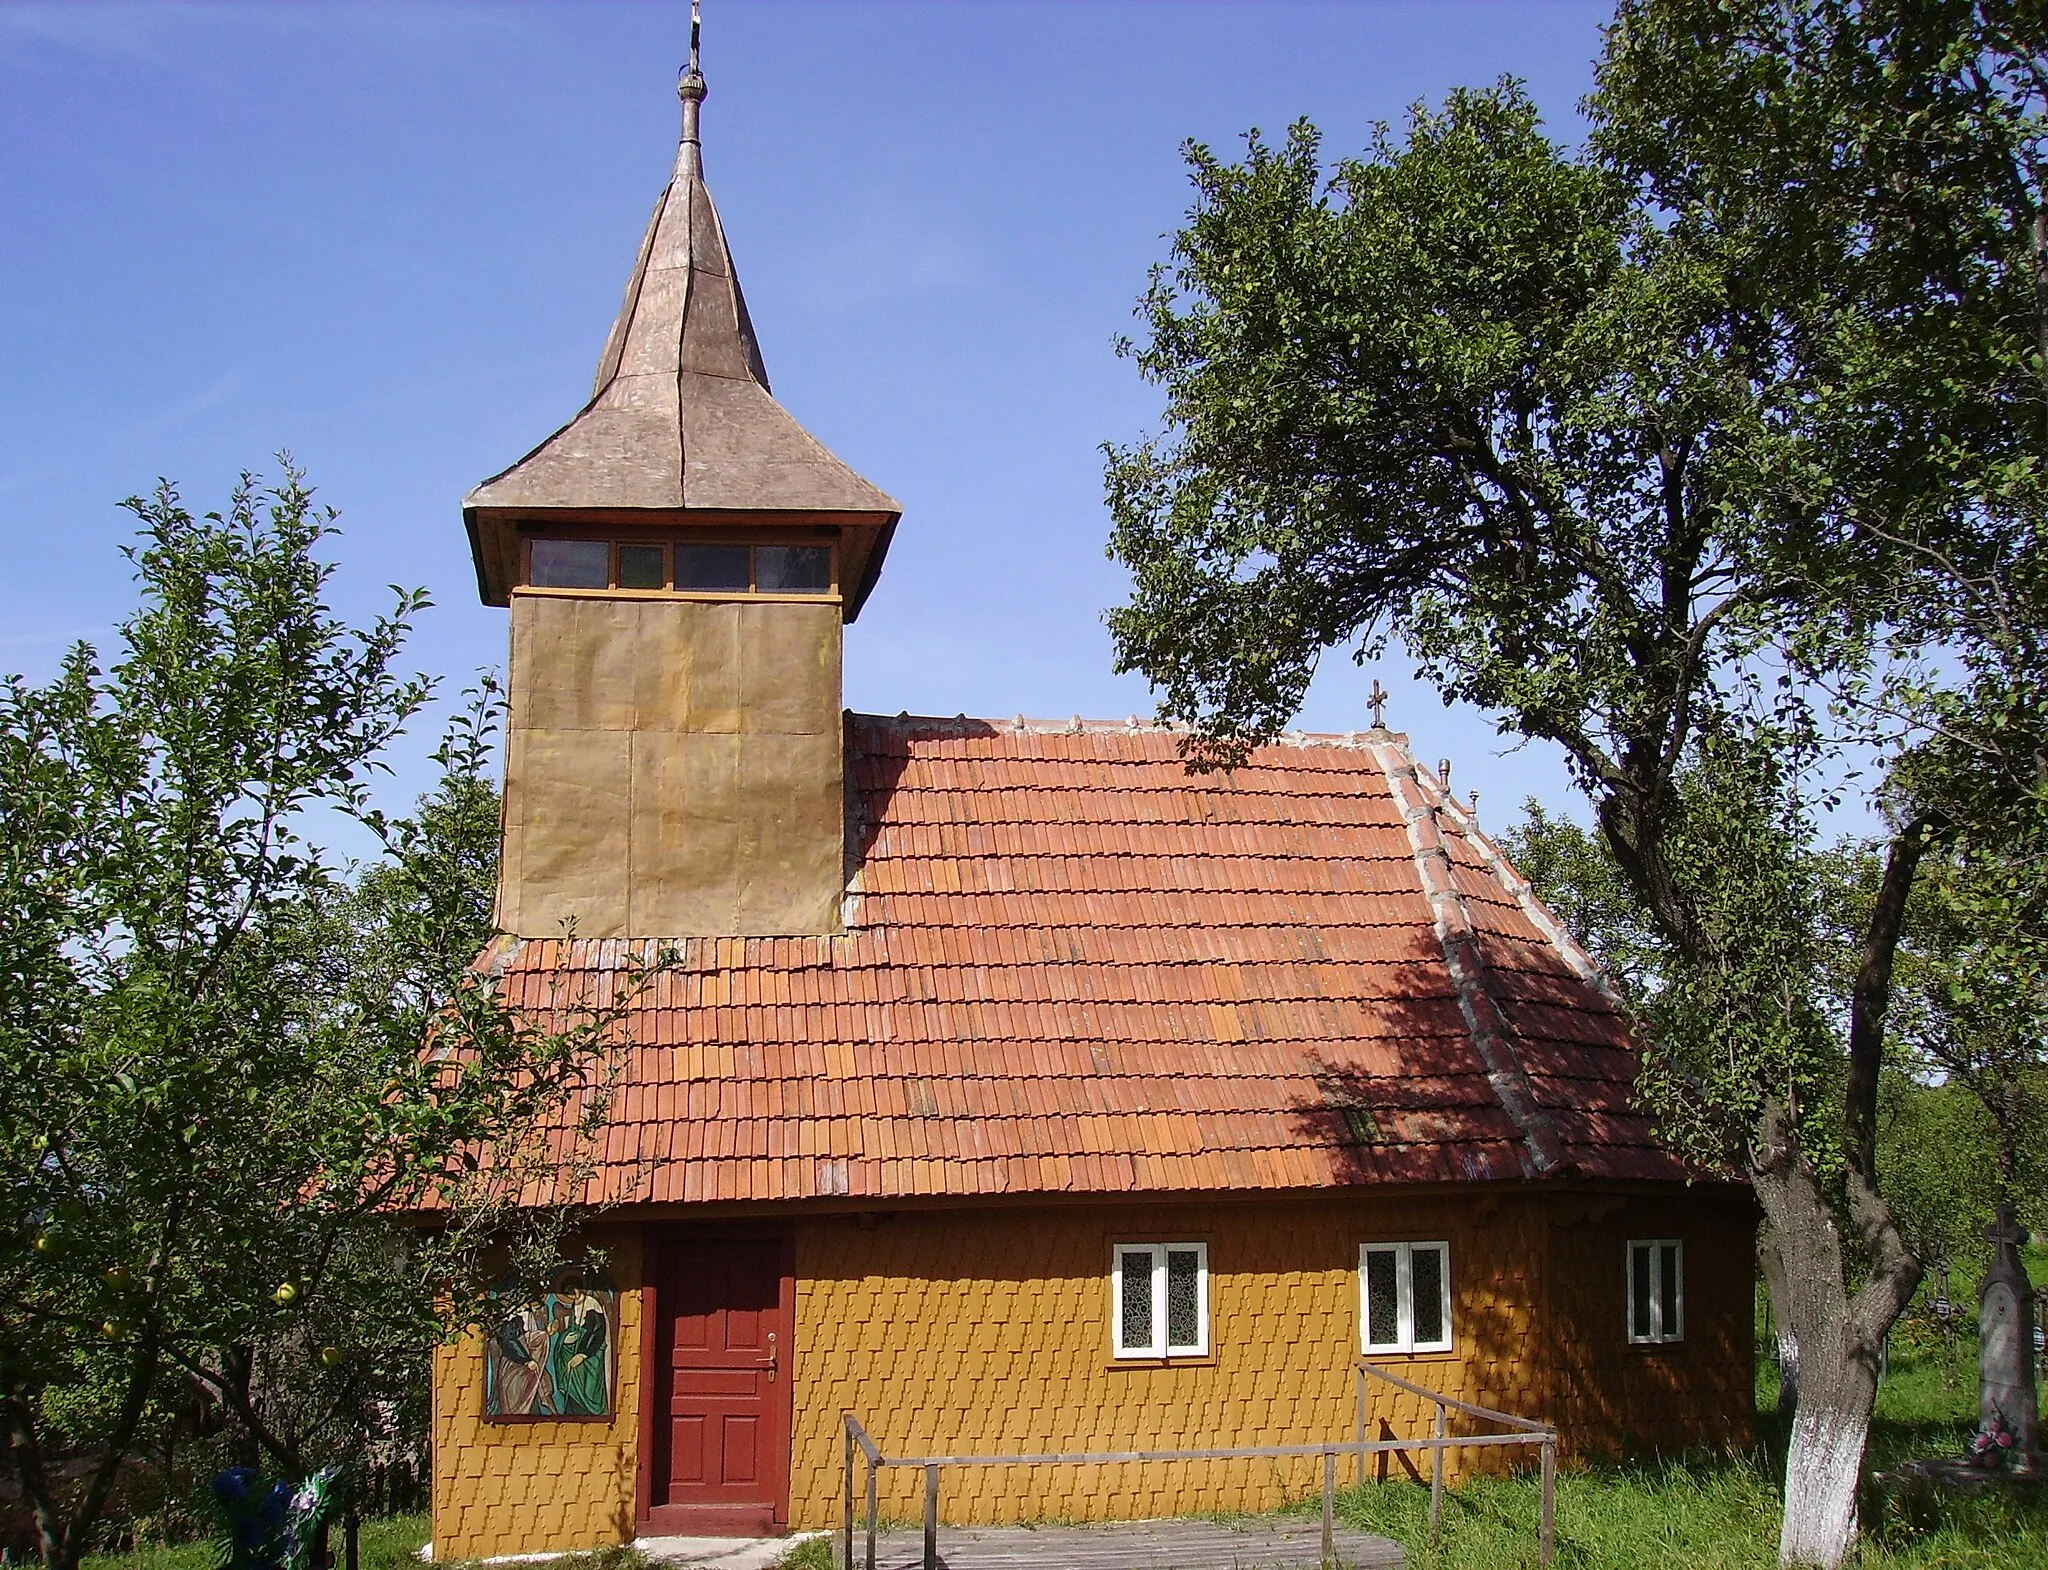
(742,1454)
(715,1382)
(688,1440)
(722,1394)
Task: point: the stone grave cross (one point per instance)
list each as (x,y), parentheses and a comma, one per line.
(2005,1324)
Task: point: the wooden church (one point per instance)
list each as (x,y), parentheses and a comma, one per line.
(1016,1090)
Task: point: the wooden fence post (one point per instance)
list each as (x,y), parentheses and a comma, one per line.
(1436,1477)
(1546,1535)
(931,1518)
(872,1469)
(846,1525)
(1329,1509)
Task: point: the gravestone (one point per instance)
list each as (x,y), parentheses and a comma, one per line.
(2005,1361)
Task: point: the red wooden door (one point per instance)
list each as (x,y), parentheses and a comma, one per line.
(721,1440)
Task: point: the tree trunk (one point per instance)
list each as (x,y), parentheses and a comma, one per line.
(26,1445)
(1824,1467)
(60,1540)
(1771,1260)
(1839,1338)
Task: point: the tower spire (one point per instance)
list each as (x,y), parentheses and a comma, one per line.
(690,87)
(681,427)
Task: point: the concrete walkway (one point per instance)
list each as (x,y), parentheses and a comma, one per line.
(1259,1543)
(720,1553)
(1255,1543)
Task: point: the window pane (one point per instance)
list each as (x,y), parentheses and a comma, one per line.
(1134,1333)
(793,569)
(1428,1265)
(1668,1292)
(1382,1297)
(712,567)
(1639,1291)
(572,564)
(1183,1297)
(641,567)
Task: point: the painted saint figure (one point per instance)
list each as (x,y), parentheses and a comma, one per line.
(536,1341)
(580,1362)
(552,1358)
(519,1375)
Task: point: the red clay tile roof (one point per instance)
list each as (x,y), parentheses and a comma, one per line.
(1072,966)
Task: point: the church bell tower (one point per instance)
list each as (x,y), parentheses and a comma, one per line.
(679,561)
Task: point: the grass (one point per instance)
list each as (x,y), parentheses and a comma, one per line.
(1722,1512)
(1693,1513)
(1698,1514)
(813,1553)
(388,1544)
(1703,1517)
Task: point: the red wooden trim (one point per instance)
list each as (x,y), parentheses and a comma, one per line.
(650,1308)
(786,1406)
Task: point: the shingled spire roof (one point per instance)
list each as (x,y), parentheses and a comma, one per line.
(681,418)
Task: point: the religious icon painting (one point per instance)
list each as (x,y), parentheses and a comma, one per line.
(553,1356)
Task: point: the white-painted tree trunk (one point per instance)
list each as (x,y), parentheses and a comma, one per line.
(1821,1477)
(1788,1370)
(1838,1339)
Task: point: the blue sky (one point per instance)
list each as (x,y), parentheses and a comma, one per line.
(391,238)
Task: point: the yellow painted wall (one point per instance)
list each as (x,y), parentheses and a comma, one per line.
(503,1488)
(995,1337)
(988,1332)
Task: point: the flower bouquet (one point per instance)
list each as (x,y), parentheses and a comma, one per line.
(1991,1447)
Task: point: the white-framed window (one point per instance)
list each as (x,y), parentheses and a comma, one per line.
(1159,1299)
(1404,1297)
(1656,1289)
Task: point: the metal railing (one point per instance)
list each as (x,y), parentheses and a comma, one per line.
(1523,1431)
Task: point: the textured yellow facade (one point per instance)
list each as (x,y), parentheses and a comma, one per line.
(988,1331)
(534,1487)
(994,1336)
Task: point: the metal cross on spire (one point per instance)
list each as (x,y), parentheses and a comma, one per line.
(690,88)
(1376,701)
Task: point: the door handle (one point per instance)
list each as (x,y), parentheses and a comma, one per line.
(769,1361)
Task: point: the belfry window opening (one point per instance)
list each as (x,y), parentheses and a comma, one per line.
(684,567)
